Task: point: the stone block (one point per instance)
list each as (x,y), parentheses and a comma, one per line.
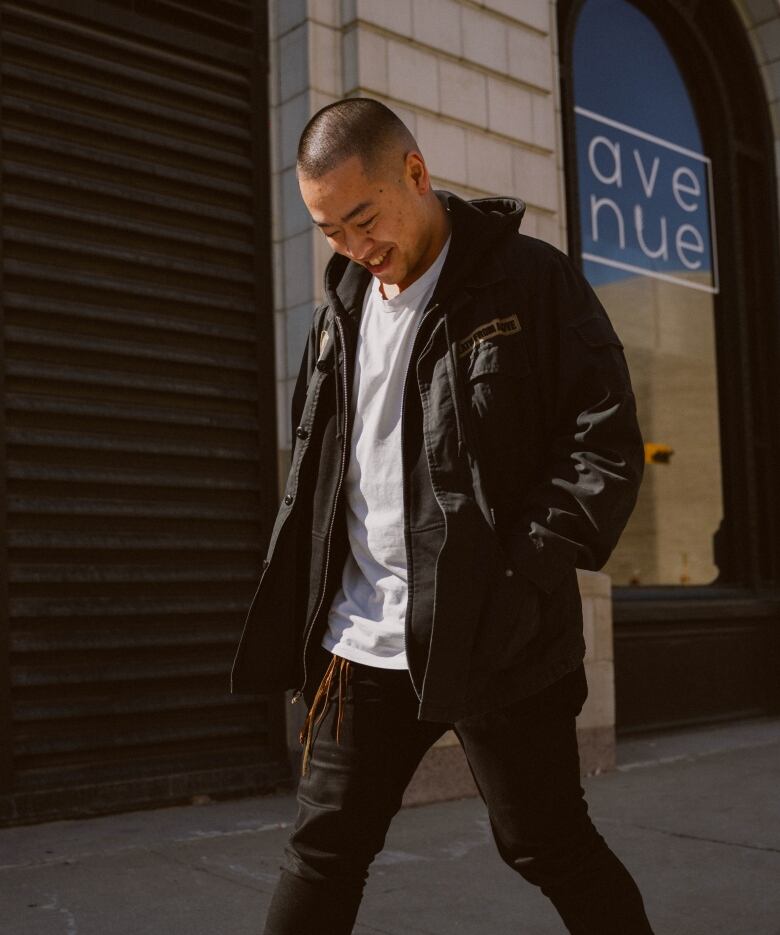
(534,13)
(449,739)
(768,37)
(595,591)
(293,63)
(530,57)
(297,259)
(530,218)
(297,324)
(484,39)
(407,116)
(442,775)
(488,163)
(463,93)
(599,708)
(412,75)
(597,749)
(535,178)
(285,15)
(277,273)
(327,12)
(443,147)
(325,58)
(365,61)
(437,23)
(772,80)
(548,227)
(510,110)
(544,118)
(759,11)
(318,100)
(283,431)
(322,254)
(774,110)
(292,118)
(395,17)
(295,218)
(280,345)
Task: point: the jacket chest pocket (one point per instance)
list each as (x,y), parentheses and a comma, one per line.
(498,374)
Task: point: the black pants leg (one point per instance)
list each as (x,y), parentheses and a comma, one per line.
(346,801)
(525,762)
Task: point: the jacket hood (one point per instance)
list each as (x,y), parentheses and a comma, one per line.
(476,226)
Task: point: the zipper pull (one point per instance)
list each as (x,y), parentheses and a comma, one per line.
(295,696)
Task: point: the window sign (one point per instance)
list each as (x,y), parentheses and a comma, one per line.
(644,203)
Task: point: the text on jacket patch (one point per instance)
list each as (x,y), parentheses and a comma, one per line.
(491,329)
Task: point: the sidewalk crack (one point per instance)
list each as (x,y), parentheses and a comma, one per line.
(687,836)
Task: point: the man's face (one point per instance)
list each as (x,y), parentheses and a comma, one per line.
(381,221)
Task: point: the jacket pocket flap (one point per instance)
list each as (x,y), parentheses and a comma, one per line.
(508,357)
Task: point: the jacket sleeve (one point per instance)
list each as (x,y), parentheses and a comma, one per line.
(593,465)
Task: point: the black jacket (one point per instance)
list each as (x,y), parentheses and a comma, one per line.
(522,461)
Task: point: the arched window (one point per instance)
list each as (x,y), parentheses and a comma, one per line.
(644,185)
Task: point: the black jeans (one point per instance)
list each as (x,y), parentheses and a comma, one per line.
(525,762)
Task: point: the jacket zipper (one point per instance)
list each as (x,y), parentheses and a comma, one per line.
(310,626)
(409,601)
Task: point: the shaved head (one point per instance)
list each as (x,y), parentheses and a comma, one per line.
(359,127)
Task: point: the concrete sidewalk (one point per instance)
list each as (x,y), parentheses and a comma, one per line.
(694,815)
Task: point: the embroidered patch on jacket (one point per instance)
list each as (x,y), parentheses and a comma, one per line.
(491,329)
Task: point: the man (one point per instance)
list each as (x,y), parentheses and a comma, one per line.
(465,437)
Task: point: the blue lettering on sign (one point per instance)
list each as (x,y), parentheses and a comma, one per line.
(644,204)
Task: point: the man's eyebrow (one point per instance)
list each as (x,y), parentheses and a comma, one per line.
(347,217)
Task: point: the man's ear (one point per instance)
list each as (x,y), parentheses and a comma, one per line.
(418,171)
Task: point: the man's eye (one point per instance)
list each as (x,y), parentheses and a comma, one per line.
(367,225)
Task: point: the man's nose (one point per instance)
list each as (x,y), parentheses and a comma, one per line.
(359,246)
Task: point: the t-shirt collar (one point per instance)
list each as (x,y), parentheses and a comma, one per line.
(409,296)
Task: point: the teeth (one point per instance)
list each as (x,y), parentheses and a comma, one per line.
(377,261)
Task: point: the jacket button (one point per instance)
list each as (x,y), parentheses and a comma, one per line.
(508,572)
(288,499)
(301,432)
(323,366)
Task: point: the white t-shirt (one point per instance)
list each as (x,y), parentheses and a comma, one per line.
(366,618)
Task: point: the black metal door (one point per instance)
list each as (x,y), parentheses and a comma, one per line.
(140,443)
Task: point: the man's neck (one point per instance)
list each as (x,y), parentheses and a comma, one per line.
(443,230)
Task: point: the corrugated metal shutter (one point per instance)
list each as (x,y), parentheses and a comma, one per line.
(139,413)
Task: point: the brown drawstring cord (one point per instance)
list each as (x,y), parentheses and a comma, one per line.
(322,699)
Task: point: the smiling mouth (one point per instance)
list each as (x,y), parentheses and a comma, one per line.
(378,261)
